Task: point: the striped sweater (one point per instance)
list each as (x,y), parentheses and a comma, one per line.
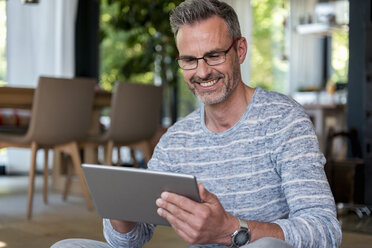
(267,167)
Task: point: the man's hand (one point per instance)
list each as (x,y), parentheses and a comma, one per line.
(198,223)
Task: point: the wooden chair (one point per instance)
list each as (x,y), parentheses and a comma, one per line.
(60,117)
(134,119)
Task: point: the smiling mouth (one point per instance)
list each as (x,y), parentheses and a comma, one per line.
(208,84)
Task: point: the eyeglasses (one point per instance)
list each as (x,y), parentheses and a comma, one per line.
(213,58)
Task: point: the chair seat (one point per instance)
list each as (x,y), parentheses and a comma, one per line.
(14,139)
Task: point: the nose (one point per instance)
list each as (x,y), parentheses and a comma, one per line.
(203,69)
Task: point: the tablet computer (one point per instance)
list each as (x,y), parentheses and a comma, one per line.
(124,193)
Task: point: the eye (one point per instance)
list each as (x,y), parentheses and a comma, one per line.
(213,56)
(188,59)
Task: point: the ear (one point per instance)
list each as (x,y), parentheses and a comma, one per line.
(242,48)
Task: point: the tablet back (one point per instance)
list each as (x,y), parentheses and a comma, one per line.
(129,194)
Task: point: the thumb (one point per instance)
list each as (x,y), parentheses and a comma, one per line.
(205,195)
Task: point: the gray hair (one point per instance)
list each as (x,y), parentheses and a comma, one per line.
(192,11)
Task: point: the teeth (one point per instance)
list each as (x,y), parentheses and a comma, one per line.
(207,84)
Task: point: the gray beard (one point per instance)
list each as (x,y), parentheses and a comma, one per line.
(225,95)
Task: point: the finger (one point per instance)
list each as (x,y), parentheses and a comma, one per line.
(175,222)
(178,218)
(182,228)
(181,202)
(174,210)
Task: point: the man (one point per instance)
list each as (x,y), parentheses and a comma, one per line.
(254,152)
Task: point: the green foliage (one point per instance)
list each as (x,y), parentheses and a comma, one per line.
(137,45)
(268,64)
(340,56)
(136,41)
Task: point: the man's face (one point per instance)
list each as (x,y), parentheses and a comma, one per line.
(211,84)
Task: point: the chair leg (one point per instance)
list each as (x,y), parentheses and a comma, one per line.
(145,147)
(110,147)
(46,175)
(133,156)
(31,183)
(119,156)
(68,182)
(147,151)
(73,150)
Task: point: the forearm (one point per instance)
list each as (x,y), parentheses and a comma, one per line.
(258,230)
(262,229)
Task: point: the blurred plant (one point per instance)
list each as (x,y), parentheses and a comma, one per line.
(340,56)
(268,56)
(137,43)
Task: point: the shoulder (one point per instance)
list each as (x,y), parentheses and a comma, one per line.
(271,99)
(270,103)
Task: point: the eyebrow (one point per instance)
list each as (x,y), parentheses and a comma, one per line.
(207,53)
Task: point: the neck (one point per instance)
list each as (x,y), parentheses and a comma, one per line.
(222,116)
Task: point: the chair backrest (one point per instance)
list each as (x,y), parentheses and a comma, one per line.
(350,138)
(61,110)
(135,112)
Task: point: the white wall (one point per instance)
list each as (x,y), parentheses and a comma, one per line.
(40,41)
(244,11)
(306,51)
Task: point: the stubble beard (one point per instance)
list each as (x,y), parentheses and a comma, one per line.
(219,95)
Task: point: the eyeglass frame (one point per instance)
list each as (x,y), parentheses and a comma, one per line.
(205,60)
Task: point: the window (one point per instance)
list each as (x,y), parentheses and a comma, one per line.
(2,69)
(269,62)
(2,42)
(340,56)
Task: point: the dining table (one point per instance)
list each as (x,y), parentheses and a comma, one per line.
(21,97)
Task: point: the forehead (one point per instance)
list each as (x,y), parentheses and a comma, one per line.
(200,37)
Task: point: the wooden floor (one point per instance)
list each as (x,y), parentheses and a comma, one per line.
(55,221)
(59,220)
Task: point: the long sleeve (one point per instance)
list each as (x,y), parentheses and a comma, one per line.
(312,220)
(136,238)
